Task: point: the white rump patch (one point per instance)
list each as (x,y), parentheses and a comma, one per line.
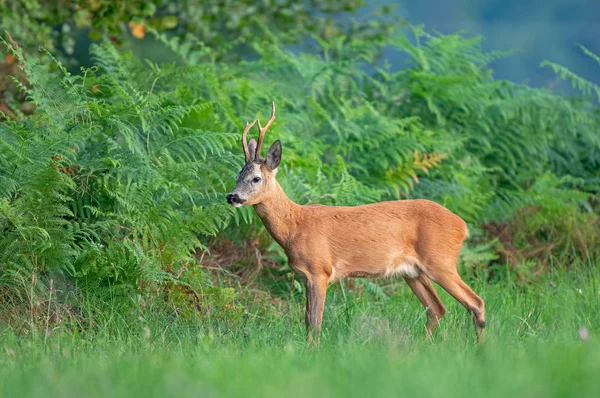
(409,270)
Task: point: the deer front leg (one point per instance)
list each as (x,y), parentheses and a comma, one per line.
(316,290)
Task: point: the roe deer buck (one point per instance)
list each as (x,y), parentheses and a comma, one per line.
(416,239)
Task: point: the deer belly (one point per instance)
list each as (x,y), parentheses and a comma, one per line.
(405,267)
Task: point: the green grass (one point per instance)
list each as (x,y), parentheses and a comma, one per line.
(371,346)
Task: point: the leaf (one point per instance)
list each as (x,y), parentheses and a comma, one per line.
(138,30)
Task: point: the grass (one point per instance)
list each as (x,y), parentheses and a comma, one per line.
(373,345)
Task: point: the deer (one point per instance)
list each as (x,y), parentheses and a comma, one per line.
(418,240)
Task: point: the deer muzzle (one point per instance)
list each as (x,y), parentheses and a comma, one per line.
(235,200)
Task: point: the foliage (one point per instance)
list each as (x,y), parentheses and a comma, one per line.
(548,221)
(59,26)
(114,177)
(54,25)
(115,181)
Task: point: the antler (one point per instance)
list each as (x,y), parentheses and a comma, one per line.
(244,135)
(263,130)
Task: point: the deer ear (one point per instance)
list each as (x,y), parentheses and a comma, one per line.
(251,149)
(274,155)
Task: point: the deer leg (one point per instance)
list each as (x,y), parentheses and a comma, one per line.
(422,288)
(453,284)
(316,290)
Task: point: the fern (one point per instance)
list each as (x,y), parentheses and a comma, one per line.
(115,177)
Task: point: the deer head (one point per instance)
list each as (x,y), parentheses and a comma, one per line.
(256,180)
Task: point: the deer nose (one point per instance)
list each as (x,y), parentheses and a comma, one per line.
(233,199)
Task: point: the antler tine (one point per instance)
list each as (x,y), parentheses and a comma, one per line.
(263,130)
(244,135)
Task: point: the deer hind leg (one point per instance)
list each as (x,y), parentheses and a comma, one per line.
(422,288)
(453,284)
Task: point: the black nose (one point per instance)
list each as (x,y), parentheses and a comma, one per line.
(233,198)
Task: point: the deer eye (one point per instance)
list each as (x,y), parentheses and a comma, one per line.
(256,179)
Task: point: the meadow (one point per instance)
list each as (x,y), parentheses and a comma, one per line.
(123,271)
(541,342)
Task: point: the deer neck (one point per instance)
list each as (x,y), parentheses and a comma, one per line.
(280,215)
